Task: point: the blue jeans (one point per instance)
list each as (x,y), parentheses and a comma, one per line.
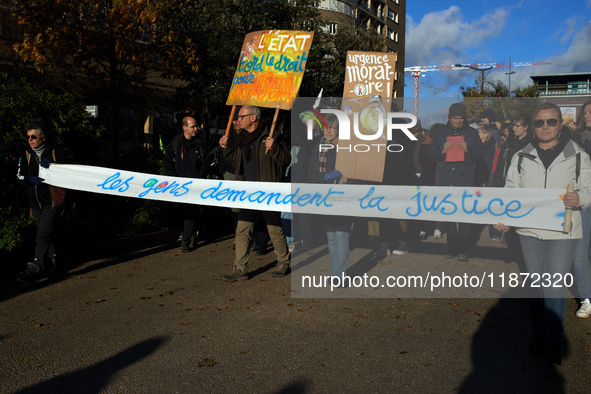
(338,248)
(548,303)
(286,218)
(581,263)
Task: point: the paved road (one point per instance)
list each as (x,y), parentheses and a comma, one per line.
(142,317)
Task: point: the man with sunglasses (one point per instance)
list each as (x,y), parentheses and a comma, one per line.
(259,158)
(39,152)
(184,158)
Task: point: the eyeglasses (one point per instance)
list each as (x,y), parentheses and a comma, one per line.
(539,123)
(242,116)
(192,126)
(32,137)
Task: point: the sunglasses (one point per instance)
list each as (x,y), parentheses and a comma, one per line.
(32,137)
(242,116)
(539,123)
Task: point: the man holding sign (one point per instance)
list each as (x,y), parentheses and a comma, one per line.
(255,165)
(455,147)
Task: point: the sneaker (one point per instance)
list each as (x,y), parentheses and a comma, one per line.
(383,251)
(463,258)
(291,246)
(184,246)
(422,235)
(31,274)
(437,234)
(401,249)
(234,276)
(495,239)
(180,238)
(280,270)
(585,309)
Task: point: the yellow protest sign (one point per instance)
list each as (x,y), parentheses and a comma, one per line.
(270,68)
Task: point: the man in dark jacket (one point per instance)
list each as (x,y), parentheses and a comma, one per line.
(456,173)
(184,158)
(39,152)
(255,164)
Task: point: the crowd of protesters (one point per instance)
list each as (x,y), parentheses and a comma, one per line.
(527,151)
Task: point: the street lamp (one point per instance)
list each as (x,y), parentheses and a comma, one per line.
(482,70)
(509,74)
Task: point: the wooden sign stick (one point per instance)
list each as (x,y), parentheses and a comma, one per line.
(568,211)
(273,126)
(230,121)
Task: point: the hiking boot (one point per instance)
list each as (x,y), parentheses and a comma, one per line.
(585,309)
(234,276)
(401,249)
(280,270)
(31,275)
(463,258)
(184,246)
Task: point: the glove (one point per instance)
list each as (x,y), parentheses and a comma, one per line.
(334,174)
(45,162)
(35,180)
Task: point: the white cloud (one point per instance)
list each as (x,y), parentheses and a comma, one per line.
(576,58)
(442,37)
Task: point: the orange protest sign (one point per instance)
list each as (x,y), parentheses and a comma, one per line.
(270,68)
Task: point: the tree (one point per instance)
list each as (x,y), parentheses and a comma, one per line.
(528,91)
(117,44)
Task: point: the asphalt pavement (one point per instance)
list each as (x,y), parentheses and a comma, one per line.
(138,316)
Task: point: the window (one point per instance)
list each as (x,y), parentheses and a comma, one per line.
(392,15)
(332,28)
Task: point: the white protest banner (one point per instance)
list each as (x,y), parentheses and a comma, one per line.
(534,208)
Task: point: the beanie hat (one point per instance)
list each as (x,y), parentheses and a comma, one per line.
(489,114)
(457,109)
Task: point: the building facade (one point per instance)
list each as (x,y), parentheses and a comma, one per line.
(568,91)
(386,17)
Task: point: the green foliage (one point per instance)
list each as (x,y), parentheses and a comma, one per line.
(528,91)
(13,224)
(65,121)
(496,96)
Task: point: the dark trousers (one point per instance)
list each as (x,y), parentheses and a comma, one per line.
(191,213)
(458,238)
(44,220)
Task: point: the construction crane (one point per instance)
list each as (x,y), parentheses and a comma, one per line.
(482,67)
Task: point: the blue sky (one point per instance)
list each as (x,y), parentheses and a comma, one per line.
(441,32)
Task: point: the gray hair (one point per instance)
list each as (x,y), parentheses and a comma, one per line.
(35,126)
(254,110)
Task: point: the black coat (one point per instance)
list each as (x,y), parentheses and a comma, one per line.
(185,158)
(38,196)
